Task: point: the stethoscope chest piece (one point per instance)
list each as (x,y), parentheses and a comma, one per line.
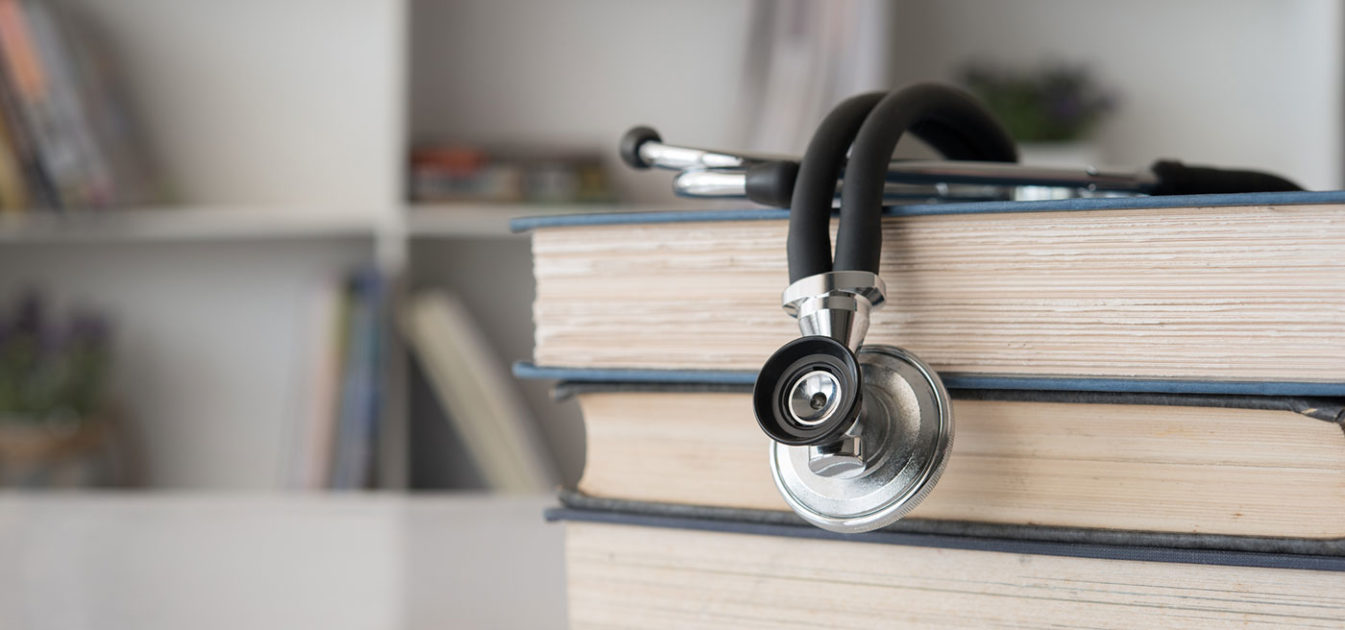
(885,461)
(860,434)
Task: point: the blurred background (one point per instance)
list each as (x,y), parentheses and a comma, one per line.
(254,254)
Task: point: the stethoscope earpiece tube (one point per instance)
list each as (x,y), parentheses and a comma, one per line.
(629,149)
(868,127)
(1174,178)
(771,183)
(809,241)
(957,116)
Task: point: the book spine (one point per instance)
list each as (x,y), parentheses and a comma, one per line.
(70,138)
(40,194)
(359,394)
(13,189)
(318,372)
(68,112)
(106,123)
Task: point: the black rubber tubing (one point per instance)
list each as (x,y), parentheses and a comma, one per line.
(630,145)
(1175,178)
(859,240)
(950,121)
(809,241)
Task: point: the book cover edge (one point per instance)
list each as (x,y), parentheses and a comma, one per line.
(748,213)
(1224,550)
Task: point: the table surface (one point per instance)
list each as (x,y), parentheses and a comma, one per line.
(362,560)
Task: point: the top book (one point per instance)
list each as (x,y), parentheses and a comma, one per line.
(1210,289)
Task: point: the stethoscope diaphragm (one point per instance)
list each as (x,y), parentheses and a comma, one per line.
(886,465)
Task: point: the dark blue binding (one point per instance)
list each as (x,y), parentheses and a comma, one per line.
(527,224)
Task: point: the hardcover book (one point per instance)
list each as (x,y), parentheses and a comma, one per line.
(677,572)
(1229,465)
(1198,289)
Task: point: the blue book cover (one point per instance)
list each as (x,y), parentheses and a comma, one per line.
(359,398)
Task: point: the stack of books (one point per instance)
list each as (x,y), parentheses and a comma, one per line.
(1149,397)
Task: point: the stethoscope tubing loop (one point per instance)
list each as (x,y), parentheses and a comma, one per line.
(867,128)
(808,244)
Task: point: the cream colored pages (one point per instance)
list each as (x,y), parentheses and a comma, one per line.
(623,577)
(1243,293)
(1135,467)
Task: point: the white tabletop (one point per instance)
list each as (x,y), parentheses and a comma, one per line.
(165,560)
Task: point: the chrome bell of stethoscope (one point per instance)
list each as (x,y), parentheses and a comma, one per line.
(860,433)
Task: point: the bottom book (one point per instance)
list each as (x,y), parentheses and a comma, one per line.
(632,570)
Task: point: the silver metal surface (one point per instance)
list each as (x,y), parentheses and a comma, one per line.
(814,398)
(909,424)
(844,458)
(835,304)
(865,284)
(839,316)
(667,156)
(1009,174)
(732,184)
(722,174)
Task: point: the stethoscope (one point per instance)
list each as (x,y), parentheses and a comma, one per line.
(861,433)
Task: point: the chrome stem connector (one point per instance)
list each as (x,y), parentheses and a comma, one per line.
(835,304)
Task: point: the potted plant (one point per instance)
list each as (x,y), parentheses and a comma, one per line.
(1050,110)
(56,428)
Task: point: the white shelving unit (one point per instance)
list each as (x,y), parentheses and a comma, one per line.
(279,130)
(283,129)
(483,220)
(487,220)
(184,224)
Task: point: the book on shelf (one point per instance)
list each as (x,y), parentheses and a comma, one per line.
(334,439)
(361,381)
(1149,396)
(324,329)
(455,173)
(476,395)
(67,141)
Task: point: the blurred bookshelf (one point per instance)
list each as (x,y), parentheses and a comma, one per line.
(275,137)
(170,224)
(283,184)
(284,133)
(449,220)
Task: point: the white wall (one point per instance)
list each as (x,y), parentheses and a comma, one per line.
(258,102)
(1252,83)
(577,73)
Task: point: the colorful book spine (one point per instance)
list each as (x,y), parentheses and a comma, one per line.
(65,133)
